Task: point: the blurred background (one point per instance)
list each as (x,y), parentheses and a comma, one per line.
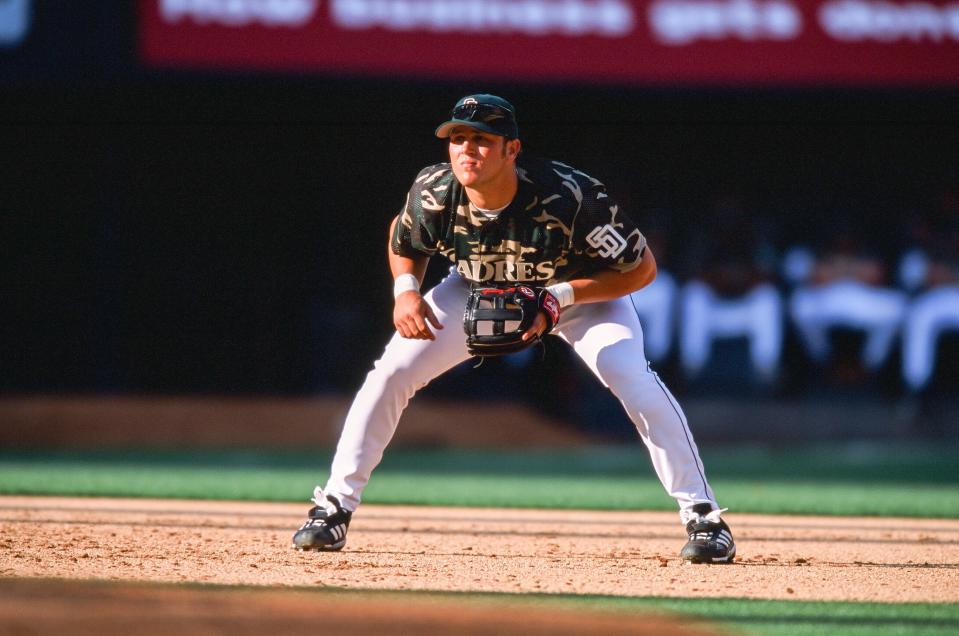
(196,195)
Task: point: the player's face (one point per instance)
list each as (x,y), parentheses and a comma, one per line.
(479,158)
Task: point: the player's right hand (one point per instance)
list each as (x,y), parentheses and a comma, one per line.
(412,317)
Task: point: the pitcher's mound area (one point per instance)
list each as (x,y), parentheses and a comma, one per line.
(111,609)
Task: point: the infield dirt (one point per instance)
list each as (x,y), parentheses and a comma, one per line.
(478,550)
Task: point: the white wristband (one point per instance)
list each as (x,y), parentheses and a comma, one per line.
(404,283)
(564,293)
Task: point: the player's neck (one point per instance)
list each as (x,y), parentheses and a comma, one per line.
(494,195)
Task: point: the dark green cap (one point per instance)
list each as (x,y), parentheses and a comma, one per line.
(488,113)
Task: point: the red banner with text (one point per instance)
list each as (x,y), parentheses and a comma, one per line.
(722,42)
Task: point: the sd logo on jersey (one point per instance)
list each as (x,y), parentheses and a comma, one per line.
(607,241)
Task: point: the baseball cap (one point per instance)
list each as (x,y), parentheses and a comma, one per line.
(488,113)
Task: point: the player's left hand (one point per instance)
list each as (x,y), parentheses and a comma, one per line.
(537,329)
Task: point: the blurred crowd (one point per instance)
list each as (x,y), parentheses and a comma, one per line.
(891,296)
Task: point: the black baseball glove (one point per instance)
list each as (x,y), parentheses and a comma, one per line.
(496,318)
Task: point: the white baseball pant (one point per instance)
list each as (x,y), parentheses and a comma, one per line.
(655,305)
(607,336)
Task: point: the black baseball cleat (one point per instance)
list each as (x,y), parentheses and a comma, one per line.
(710,539)
(326,527)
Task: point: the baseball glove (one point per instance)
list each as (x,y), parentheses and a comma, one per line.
(496,318)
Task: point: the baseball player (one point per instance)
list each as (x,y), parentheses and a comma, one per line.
(505,219)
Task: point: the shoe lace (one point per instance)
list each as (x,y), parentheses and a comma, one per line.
(319,498)
(713,518)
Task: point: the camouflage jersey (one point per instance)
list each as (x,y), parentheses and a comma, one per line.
(560,225)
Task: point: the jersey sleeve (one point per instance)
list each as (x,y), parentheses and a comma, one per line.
(604,234)
(420,221)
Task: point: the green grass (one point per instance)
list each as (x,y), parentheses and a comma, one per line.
(852,480)
(798,618)
(752,617)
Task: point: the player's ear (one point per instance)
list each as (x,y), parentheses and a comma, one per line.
(513,147)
